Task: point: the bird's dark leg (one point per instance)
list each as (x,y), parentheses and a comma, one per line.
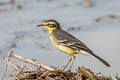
(74,57)
(70,58)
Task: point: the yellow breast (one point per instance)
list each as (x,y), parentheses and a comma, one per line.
(62,48)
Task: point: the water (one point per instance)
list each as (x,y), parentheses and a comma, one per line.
(33,43)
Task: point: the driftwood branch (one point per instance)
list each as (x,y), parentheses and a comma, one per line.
(86,73)
(11,54)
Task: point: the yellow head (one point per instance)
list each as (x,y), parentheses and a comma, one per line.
(50,24)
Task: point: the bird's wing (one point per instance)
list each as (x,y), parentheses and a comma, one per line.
(70,41)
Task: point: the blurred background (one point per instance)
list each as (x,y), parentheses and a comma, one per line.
(94,22)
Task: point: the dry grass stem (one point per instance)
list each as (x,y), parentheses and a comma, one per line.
(43,72)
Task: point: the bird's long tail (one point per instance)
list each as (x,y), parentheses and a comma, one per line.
(100,59)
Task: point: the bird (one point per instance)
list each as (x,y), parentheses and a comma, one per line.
(67,43)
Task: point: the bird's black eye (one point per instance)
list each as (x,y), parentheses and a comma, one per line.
(51,25)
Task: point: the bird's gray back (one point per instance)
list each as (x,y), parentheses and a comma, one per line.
(68,40)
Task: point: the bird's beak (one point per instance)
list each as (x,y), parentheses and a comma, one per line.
(40,25)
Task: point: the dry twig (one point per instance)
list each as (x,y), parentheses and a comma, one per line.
(31,62)
(47,73)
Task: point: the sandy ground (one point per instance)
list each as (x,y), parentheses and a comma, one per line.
(18,30)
